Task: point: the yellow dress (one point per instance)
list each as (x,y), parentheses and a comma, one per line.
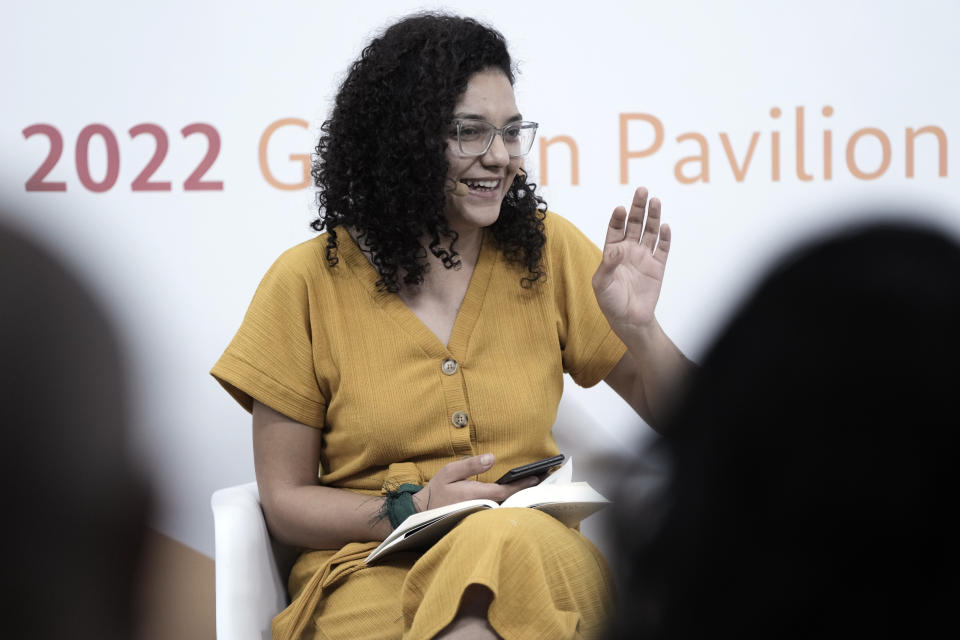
(324,347)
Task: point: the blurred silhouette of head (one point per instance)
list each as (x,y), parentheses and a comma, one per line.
(814,456)
(74,507)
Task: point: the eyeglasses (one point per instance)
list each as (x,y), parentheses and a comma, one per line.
(475,136)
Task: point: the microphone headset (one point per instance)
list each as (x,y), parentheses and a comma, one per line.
(460,189)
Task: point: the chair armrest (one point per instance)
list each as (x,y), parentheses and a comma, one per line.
(250,587)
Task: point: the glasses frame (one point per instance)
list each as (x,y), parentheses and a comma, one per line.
(523,124)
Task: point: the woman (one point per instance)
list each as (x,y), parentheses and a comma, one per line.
(422,340)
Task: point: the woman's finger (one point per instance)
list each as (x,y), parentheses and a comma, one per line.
(652,229)
(663,247)
(612,256)
(463,469)
(500,492)
(618,220)
(635,219)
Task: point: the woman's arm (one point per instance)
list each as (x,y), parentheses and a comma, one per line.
(627,285)
(300,512)
(648,373)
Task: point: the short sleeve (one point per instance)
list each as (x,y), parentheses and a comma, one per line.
(270,359)
(590,348)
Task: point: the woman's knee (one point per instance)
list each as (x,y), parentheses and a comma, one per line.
(515,517)
(518,528)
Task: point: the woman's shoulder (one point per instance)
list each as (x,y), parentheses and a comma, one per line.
(562,235)
(308,259)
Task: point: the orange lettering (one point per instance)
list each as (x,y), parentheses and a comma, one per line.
(625,154)
(801,173)
(703,159)
(941,148)
(775,148)
(574,158)
(827,146)
(852,144)
(738,172)
(303,158)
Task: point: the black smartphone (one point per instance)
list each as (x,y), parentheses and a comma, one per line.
(533,469)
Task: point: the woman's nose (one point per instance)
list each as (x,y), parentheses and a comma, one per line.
(497,155)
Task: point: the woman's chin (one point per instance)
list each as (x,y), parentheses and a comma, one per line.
(467,216)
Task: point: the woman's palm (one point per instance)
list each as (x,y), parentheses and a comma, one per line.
(627,282)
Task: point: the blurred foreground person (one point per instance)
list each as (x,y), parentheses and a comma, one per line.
(74,509)
(814,457)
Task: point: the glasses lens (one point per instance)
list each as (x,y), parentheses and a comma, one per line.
(474,136)
(518,138)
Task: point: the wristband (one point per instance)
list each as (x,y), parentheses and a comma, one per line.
(398,504)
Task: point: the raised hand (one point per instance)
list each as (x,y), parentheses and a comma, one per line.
(627,282)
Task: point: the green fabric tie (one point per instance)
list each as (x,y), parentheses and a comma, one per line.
(399,503)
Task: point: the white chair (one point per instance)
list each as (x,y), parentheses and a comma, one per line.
(252,568)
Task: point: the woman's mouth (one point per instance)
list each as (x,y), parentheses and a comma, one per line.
(481,186)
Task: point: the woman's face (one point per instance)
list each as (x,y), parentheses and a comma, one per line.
(488,96)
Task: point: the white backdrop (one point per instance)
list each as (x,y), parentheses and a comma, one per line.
(178,267)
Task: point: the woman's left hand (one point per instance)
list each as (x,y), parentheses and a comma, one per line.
(627,282)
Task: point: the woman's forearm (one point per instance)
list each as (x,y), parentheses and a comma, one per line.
(649,373)
(662,367)
(318,517)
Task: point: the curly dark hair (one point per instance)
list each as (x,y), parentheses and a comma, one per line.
(380,164)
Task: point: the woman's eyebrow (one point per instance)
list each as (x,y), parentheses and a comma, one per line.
(475,116)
